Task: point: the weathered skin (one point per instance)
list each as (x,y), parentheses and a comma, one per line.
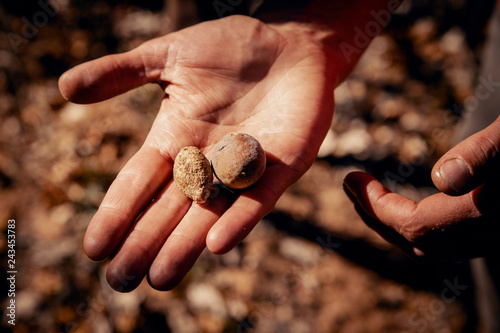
(238,160)
(193,174)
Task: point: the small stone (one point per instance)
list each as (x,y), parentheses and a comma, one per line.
(193,174)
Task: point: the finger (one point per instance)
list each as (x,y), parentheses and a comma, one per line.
(435,219)
(378,201)
(470,163)
(248,210)
(112,75)
(130,264)
(454,249)
(128,195)
(387,233)
(185,244)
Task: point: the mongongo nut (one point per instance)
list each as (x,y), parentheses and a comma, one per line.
(238,160)
(193,174)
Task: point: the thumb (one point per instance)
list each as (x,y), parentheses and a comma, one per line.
(470,163)
(111,75)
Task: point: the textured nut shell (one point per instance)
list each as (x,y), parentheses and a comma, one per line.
(193,174)
(238,160)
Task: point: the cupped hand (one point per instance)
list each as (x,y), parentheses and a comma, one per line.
(460,222)
(230,75)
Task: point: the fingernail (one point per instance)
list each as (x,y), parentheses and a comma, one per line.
(418,252)
(455,173)
(345,184)
(348,190)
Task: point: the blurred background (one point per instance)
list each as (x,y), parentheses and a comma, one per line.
(311,265)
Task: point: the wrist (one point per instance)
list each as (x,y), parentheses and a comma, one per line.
(341,30)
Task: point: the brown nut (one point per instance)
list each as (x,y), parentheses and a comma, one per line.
(238,160)
(193,174)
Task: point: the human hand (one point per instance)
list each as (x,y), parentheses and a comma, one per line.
(231,75)
(461,222)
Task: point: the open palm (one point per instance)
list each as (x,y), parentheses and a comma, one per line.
(231,75)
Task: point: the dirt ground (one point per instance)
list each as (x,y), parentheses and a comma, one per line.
(311,265)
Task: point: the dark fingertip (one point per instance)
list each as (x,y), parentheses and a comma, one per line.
(167,272)
(120,279)
(166,285)
(163,280)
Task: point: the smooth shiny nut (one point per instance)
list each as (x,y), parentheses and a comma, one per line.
(238,160)
(193,174)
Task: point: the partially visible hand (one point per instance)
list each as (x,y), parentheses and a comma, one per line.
(461,222)
(231,75)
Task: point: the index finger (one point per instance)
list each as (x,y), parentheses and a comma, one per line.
(435,218)
(111,75)
(128,195)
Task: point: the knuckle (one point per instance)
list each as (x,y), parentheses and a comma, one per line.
(414,231)
(483,148)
